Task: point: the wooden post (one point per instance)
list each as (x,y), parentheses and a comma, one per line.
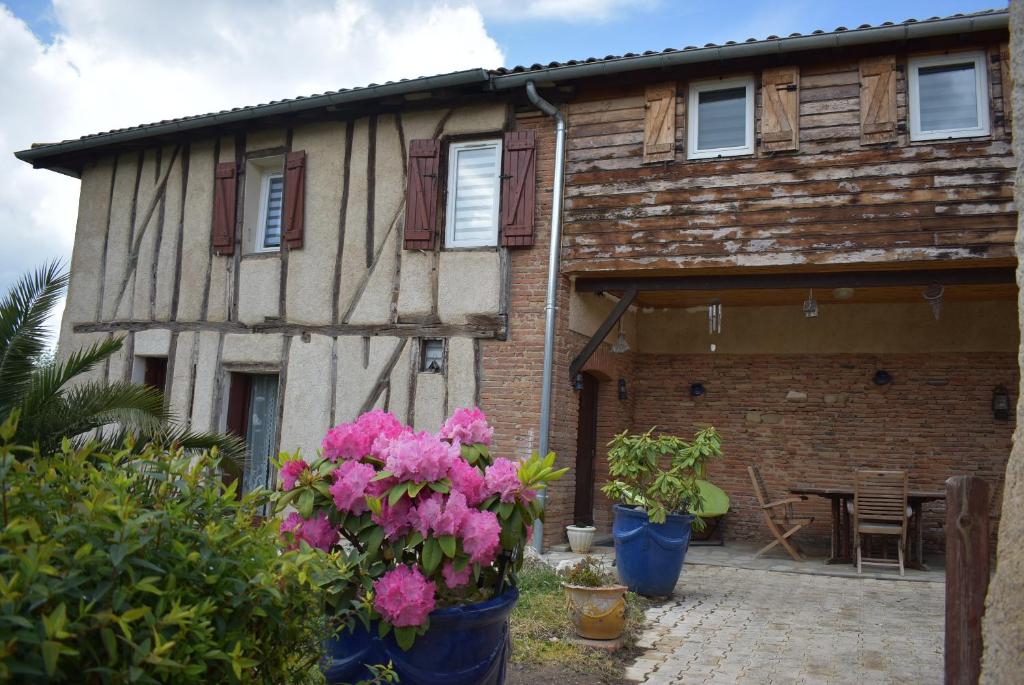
(967,555)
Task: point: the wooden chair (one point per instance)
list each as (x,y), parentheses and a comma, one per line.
(880,508)
(778,516)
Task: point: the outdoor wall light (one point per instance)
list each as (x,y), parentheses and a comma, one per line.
(1000,403)
(697,389)
(577,382)
(881,377)
(623,395)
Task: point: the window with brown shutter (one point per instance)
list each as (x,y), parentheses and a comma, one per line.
(421,195)
(780,109)
(224,201)
(660,123)
(294,198)
(878,100)
(518,188)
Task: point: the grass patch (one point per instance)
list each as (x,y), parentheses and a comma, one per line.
(542,632)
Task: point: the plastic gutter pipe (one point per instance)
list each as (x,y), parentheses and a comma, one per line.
(551,302)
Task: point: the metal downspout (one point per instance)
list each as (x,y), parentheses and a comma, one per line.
(551,303)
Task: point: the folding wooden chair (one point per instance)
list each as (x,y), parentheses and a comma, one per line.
(880,508)
(779,517)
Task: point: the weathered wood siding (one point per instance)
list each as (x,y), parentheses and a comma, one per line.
(833,200)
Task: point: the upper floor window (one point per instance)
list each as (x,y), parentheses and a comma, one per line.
(474,176)
(268,234)
(948,96)
(721,118)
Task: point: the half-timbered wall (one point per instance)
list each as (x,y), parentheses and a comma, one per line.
(833,191)
(340,318)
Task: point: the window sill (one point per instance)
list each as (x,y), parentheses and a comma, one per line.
(269,254)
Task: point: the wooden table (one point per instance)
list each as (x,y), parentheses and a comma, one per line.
(842,544)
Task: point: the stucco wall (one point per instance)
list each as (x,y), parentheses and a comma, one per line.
(340,319)
(1003,660)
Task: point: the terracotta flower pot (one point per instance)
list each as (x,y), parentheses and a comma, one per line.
(581,538)
(598,613)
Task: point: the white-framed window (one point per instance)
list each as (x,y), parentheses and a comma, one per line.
(474,192)
(721,118)
(432,356)
(948,96)
(268,226)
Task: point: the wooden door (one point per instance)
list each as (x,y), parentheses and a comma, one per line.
(586,453)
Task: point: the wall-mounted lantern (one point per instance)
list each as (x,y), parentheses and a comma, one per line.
(1000,403)
(577,382)
(881,377)
(623,395)
(697,389)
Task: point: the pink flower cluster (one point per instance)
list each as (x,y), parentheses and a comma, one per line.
(315,532)
(350,486)
(502,478)
(467,427)
(403,596)
(291,471)
(419,457)
(356,440)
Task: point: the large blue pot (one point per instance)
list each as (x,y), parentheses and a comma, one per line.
(649,556)
(467,645)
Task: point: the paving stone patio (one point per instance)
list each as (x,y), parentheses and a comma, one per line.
(739,625)
(737,619)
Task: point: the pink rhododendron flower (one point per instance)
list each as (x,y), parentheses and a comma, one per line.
(419,457)
(440,515)
(403,596)
(395,520)
(316,532)
(291,471)
(350,486)
(453,578)
(355,440)
(468,480)
(428,511)
(502,478)
(481,536)
(468,427)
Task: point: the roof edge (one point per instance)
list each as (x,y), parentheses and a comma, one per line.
(775,46)
(457,78)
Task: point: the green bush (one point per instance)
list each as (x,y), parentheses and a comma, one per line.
(121,568)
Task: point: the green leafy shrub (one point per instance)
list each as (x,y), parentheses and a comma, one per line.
(641,476)
(127,568)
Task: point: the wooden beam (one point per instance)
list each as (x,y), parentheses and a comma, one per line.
(487,327)
(967,573)
(602,332)
(781,281)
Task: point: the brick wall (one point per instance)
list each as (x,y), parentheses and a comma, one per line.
(934,420)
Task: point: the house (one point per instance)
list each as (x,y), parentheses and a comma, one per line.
(806,241)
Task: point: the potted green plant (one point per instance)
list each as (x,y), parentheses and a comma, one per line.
(581,538)
(655,481)
(595,601)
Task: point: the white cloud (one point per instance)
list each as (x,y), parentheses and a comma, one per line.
(570,11)
(118,63)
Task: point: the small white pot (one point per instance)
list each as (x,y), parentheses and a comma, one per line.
(581,538)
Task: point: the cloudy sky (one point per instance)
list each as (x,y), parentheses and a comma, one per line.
(72,67)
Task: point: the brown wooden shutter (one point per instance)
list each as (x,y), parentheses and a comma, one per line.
(294,199)
(660,123)
(878,100)
(421,194)
(225,183)
(518,188)
(780,109)
(1006,87)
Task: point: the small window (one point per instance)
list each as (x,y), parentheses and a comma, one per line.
(271,205)
(721,118)
(948,96)
(252,416)
(474,174)
(151,371)
(432,356)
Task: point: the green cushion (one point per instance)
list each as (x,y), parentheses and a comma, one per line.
(716,502)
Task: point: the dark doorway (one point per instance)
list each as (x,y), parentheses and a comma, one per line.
(586,453)
(252,416)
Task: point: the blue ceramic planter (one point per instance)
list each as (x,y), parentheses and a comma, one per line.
(649,556)
(466,645)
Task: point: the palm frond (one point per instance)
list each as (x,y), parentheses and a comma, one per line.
(91,406)
(23,313)
(49,379)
